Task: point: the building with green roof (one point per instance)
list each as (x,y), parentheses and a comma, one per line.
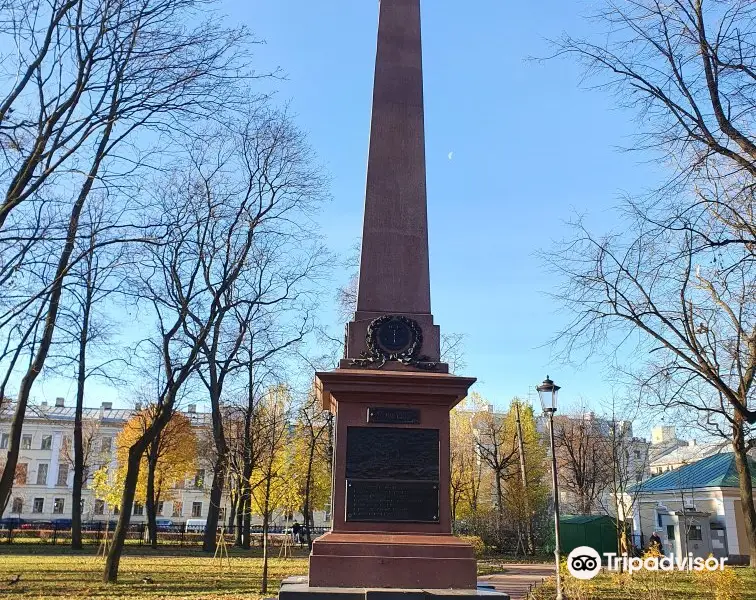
(694,509)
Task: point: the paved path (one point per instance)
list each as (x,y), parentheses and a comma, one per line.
(516,578)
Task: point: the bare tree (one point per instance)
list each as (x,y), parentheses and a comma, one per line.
(82,326)
(183,283)
(226,211)
(269,307)
(497,448)
(313,427)
(584,460)
(677,283)
(83,79)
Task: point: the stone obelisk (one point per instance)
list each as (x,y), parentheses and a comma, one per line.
(391,394)
(394,271)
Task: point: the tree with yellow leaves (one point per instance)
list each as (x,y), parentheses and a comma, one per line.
(497,472)
(309,452)
(466,469)
(107,485)
(270,484)
(526,495)
(169,459)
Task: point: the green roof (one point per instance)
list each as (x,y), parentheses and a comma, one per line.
(717,470)
(578,519)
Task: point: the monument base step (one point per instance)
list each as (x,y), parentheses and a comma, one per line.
(298,588)
(395,561)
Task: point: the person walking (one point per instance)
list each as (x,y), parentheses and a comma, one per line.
(296,530)
(655,543)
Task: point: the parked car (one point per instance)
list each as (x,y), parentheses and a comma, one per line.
(195,525)
(164,524)
(62,523)
(37,525)
(11,523)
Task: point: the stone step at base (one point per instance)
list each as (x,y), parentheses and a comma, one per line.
(297,588)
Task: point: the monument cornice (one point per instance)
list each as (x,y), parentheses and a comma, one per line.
(391,386)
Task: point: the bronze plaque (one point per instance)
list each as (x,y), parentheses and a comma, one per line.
(394,416)
(392,453)
(392,474)
(392,501)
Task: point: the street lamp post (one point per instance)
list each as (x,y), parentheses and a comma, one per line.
(547,391)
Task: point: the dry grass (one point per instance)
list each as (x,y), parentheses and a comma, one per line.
(653,586)
(187,575)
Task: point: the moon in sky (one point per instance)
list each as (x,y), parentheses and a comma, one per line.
(451,155)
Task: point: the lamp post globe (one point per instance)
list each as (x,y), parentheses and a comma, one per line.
(548,392)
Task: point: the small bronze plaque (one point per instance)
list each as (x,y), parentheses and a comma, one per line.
(394,416)
(392,453)
(392,501)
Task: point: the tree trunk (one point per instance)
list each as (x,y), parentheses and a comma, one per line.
(78,478)
(246,517)
(499,510)
(266,520)
(113,559)
(244,489)
(132,475)
(150,500)
(216,492)
(240,521)
(746,486)
(232,511)
(308,486)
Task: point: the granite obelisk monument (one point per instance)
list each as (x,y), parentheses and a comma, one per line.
(391,394)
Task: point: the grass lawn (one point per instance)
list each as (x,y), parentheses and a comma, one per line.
(737,583)
(53,572)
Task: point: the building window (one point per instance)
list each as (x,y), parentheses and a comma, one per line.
(138,509)
(671,533)
(4,441)
(46,442)
(42,473)
(695,533)
(196,509)
(26,441)
(39,505)
(18,506)
(637,454)
(99,507)
(199,479)
(22,470)
(116,510)
(159,507)
(221,514)
(58,505)
(107,444)
(178,508)
(62,474)
(658,517)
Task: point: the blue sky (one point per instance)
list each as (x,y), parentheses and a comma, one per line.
(530,149)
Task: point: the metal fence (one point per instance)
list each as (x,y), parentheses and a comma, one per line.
(137,534)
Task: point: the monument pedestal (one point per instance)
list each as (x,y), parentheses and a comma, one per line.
(391,508)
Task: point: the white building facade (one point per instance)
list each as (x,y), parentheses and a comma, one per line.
(43,488)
